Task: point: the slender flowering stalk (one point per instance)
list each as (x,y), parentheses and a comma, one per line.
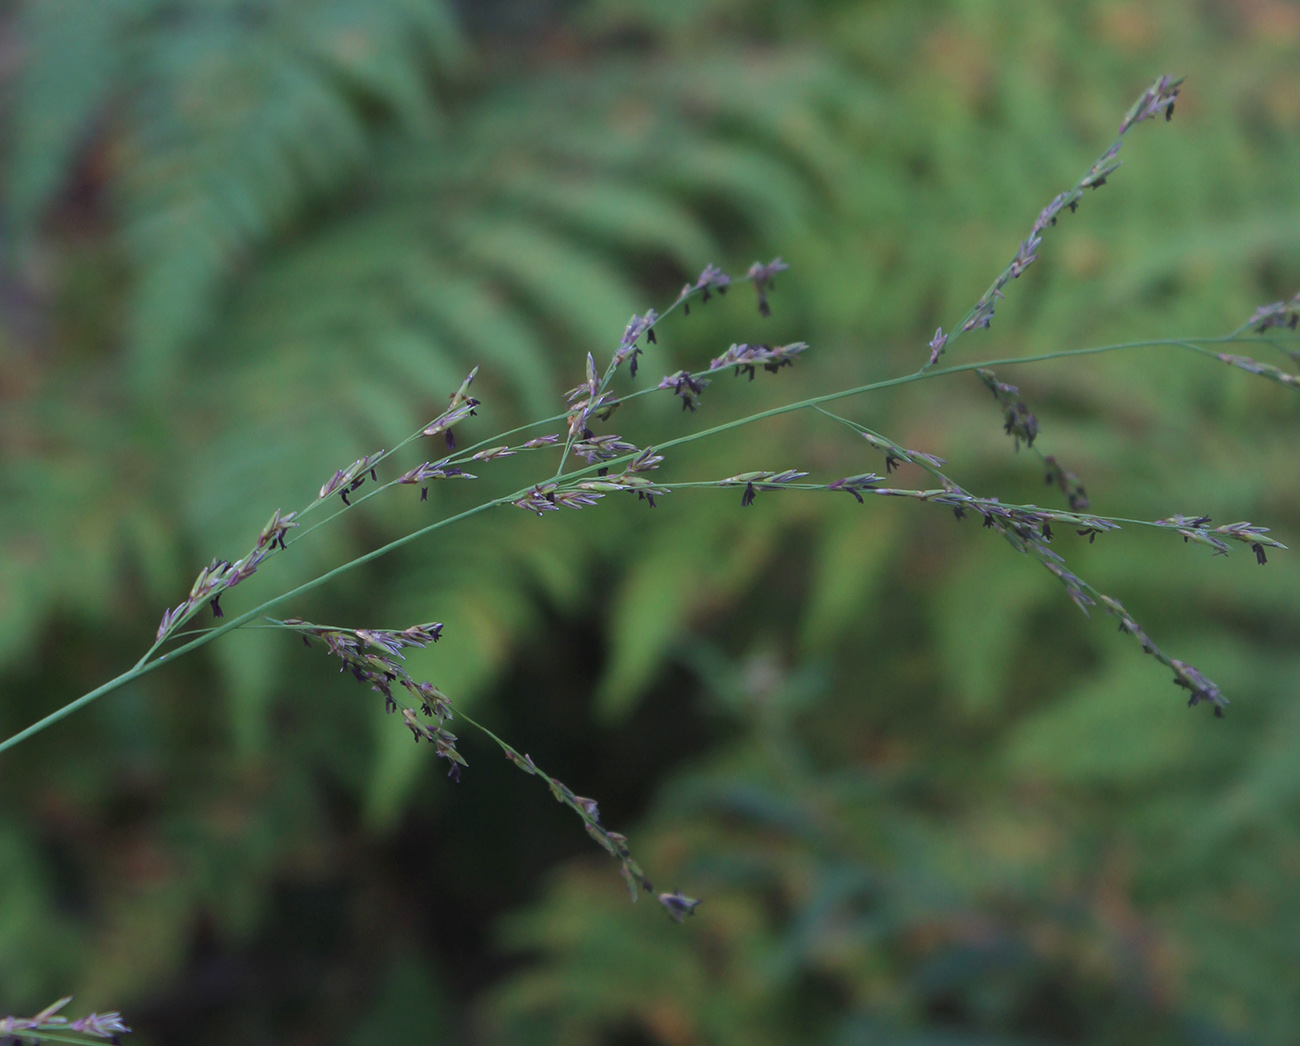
(1020,424)
(1013,519)
(1192,528)
(587,810)
(593,466)
(1066,482)
(374,658)
(1158,98)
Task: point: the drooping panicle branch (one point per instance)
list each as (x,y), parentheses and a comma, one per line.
(1018,422)
(374,657)
(1186,676)
(1028,528)
(613,843)
(1066,482)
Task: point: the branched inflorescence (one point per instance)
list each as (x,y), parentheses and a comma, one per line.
(1028,529)
(610,464)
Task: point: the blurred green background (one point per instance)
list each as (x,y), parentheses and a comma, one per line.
(927,802)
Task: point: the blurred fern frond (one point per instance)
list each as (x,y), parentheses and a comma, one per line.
(223,123)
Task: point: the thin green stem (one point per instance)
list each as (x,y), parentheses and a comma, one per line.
(142,667)
(906,379)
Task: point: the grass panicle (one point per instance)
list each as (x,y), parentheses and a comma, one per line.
(590,466)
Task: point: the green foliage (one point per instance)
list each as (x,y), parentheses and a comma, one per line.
(843,909)
(263,239)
